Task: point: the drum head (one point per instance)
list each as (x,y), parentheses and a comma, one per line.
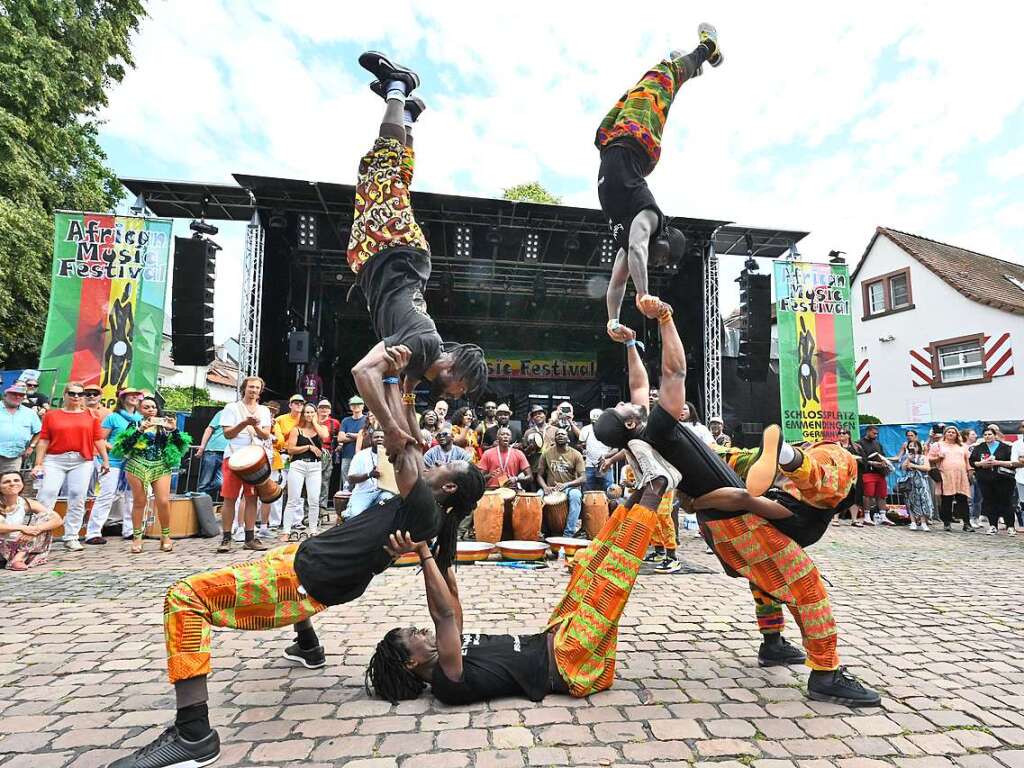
(553,498)
(507,493)
(246,457)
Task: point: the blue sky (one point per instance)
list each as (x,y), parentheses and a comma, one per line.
(832,119)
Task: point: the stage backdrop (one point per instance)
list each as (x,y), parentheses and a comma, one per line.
(540,365)
(106,319)
(816,365)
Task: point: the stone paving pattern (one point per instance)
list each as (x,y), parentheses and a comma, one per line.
(934,620)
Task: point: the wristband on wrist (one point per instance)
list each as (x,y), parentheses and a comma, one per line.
(630,342)
(424,559)
(390,379)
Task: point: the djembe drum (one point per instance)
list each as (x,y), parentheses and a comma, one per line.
(527,513)
(489,517)
(253,467)
(556,512)
(595,512)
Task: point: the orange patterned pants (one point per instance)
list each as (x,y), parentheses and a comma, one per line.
(780,573)
(258,594)
(665,533)
(586,619)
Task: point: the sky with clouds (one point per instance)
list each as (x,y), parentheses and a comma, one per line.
(829,118)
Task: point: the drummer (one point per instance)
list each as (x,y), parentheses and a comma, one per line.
(562,469)
(504,465)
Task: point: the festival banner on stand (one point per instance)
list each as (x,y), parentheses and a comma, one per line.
(106,318)
(817,381)
(540,365)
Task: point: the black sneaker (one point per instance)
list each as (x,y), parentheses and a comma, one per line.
(415,107)
(314,658)
(840,687)
(708,37)
(761,474)
(96,540)
(947,528)
(779,652)
(385,70)
(655,556)
(172,751)
(668,565)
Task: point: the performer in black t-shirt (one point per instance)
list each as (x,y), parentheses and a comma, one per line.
(391,258)
(291,584)
(576,652)
(746,543)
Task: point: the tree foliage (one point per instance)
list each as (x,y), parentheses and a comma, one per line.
(57,59)
(182,399)
(531,192)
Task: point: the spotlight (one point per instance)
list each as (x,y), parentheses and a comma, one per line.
(532,246)
(572,242)
(278,220)
(607,251)
(306,225)
(463,242)
(493,236)
(750,264)
(202,228)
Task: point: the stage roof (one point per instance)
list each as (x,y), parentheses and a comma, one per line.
(234,202)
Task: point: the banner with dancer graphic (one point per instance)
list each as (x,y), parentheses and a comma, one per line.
(106,318)
(817,378)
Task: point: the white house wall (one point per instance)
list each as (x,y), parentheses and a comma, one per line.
(940,313)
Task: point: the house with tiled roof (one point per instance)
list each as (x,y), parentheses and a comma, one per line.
(934,330)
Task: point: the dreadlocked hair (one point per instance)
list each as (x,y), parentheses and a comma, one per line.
(468,364)
(460,504)
(387,676)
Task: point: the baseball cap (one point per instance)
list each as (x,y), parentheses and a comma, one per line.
(355,400)
(535,408)
(296,399)
(503,408)
(717,419)
(323,402)
(595,414)
(17,388)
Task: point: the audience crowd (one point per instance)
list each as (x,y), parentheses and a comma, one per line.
(83,454)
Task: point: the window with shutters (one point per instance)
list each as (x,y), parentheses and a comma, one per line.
(959,361)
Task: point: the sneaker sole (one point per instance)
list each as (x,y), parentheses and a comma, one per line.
(779,662)
(381,67)
(762,472)
(303,662)
(198,762)
(843,700)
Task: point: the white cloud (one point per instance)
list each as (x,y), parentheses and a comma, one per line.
(801,128)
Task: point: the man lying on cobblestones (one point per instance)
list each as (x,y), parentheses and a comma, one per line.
(293,583)
(747,544)
(575,654)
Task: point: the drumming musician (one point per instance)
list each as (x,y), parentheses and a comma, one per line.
(504,464)
(562,469)
(502,418)
(292,583)
(245,423)
(391,259)
(363,474)
(597,456)
(748,543)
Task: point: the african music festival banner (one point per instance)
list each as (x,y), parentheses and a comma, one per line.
(106,318)
(816,362)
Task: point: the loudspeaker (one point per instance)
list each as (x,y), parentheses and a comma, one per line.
(192,301)
(298,347)
(755,326)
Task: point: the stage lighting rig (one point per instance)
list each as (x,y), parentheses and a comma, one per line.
(201,228)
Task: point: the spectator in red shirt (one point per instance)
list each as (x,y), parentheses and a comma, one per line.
(503,464)
(323,411)
(69,439)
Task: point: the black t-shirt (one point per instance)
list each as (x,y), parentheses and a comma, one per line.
(497,665)
(491,434)
(36,399)
(808,523)
(338,565)
(868,447)
(394,282)
(702,469)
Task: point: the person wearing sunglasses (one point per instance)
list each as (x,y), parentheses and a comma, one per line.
(69,438)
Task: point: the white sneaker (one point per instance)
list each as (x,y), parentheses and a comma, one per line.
(650,465)
(913,525)
(992,530)
(238,534)
(924,526)
(73,544)
(262,533)
(1011,531)
(879,518)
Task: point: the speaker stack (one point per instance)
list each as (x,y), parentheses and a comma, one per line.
(755,326)
(192,301)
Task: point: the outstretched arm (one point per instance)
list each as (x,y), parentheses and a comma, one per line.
(639,383)
(739,500)
(672,391)
(616,290)
(369,376)
(442,602)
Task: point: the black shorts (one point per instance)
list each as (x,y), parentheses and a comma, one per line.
(393,282)
(623,191)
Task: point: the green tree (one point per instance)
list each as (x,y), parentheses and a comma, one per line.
(57,59)
(531,192)
(182,399)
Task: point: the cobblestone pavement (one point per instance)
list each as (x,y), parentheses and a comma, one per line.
(934,620)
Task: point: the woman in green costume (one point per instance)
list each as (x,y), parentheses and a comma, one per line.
(152,450)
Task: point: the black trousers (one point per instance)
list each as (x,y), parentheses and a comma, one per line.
(997,500)
(959,502)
